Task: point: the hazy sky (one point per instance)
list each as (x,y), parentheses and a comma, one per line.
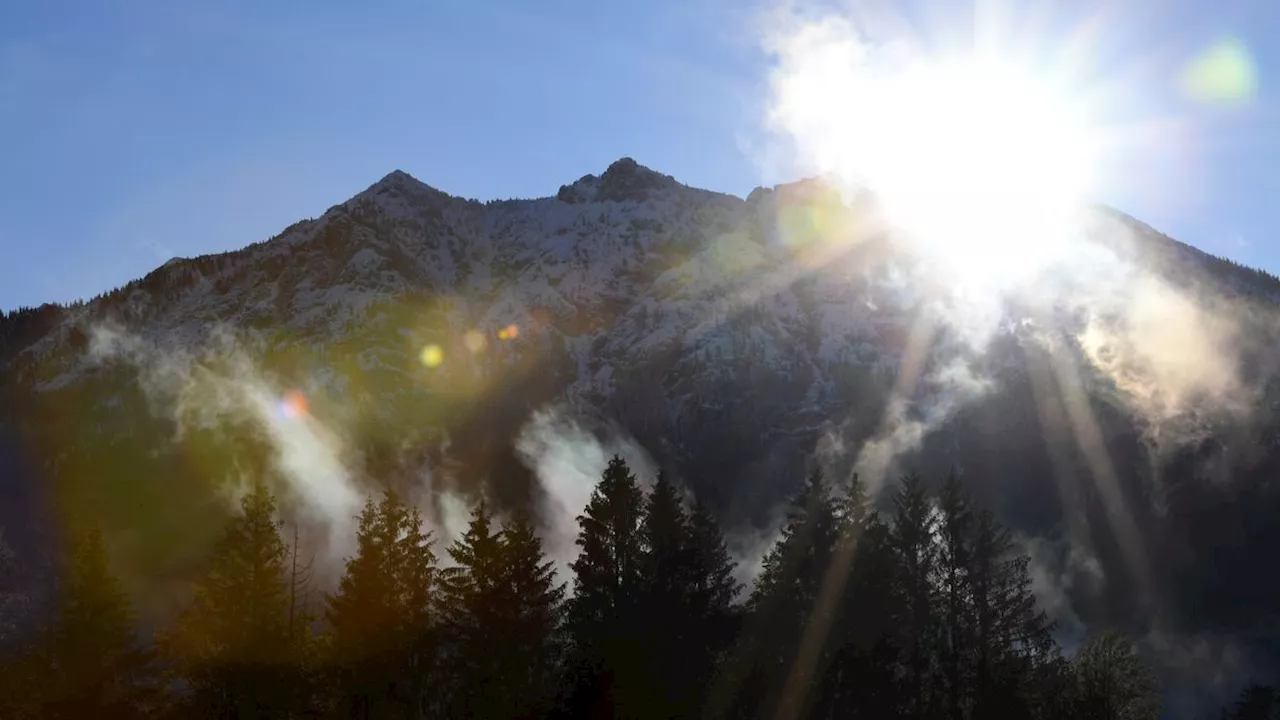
(131,132)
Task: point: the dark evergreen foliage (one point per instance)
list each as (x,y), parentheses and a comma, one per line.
(604,612)
(474,604)
(531,629)
(88,661)
(230,646)
(1256,702)
(383,638)
(913,540)
(924,612)
(12,602)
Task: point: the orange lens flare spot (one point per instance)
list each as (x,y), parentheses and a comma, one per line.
(432,356)
(510,332)
(294,405)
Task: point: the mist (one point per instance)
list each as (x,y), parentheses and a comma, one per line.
(315,467)
(222,384)
(568,460)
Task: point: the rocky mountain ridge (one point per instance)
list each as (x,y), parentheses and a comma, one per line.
(735,340)
(653,302)
(636,267)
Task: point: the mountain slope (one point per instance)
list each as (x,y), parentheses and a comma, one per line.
(731,338)
(631,286)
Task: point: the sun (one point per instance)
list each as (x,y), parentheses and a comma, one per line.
(980,162)
(983,167)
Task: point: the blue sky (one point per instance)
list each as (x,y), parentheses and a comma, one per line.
(135,131)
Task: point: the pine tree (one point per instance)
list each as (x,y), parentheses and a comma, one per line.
(501,614)
(361,618)
(607,580)
(417,578)
(665,584)
(381,616)
(782,605)
(231,643)
(687,592)
(793,568)
(864,549)
(912,538)
(96,666)
(607,571)
(955,541)
(532,631)
(1013,650)
(860,681)
(664,531)
(472,604)
(868,601)
(710,612)
(711,568)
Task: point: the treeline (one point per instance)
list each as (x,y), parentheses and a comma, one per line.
(1257,701)
(923,612)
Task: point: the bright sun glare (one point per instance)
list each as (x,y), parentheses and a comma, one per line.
(980,163)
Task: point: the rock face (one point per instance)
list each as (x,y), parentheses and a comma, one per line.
(733,339)
(637,300)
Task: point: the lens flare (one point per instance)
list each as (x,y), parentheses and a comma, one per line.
(1222,74)
(432,356)
(294,405)
(510,332)
(475,341)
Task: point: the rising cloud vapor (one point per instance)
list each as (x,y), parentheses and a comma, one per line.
(436,493)
(908,420)
(568,461)
(1060,570)
(221,383)
(1165,354)
(1169,348)
(748,546)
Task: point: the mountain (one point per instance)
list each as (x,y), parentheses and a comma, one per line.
(733,339)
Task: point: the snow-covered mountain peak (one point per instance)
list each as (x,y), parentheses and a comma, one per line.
(399,188)
(399,181)
(623,180)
